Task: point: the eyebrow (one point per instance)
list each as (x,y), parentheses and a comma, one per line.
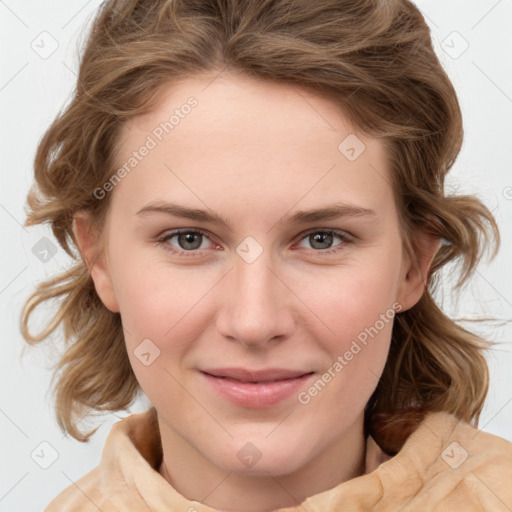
(329,212)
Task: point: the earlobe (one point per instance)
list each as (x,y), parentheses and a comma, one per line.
(414,280)
(93,255)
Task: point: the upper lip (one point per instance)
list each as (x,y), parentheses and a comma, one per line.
(246,375)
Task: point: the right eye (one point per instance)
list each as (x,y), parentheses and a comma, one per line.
(187,241)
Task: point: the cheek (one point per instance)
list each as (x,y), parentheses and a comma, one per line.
(160,324)
(354,329)
(164,312)
(350,299)
(355,308)
(153,296)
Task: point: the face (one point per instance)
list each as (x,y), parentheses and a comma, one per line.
(264,286)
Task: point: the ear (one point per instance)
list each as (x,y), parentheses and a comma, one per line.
(92,250)
(416,270)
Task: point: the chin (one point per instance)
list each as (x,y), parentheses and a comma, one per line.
(261,458)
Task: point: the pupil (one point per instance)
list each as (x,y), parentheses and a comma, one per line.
(185,239)
(322,238)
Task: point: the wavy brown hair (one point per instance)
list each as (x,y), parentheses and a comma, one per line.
(375,61)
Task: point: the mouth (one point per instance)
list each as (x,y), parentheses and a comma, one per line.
(259,392)
(256,376)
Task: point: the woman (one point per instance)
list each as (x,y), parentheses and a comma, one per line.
(256,194)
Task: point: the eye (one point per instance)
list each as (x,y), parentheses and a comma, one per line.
(186,240)
(321,240)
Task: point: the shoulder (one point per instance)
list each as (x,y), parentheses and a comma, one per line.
(82,496)
(447,460)
(131,452)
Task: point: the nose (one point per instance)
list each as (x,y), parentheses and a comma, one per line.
(256,307)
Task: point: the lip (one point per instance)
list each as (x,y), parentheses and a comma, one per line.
(265,392)
(247,375)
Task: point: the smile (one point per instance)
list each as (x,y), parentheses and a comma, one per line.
(256,394)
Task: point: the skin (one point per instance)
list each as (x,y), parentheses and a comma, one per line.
(254,153)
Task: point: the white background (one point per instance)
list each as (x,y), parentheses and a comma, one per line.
(34,87)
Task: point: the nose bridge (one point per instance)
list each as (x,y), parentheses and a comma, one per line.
(254,284)
(257,310)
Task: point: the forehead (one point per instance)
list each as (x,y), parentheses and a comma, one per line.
(211,137)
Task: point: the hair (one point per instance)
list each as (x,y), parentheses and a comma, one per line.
(375,61)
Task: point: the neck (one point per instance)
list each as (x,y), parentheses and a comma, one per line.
(196,478)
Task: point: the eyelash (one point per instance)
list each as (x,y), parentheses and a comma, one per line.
(162,241)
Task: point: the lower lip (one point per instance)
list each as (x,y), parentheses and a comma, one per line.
(256,395)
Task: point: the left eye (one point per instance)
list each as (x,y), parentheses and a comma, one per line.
(191,241)
(321,239)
